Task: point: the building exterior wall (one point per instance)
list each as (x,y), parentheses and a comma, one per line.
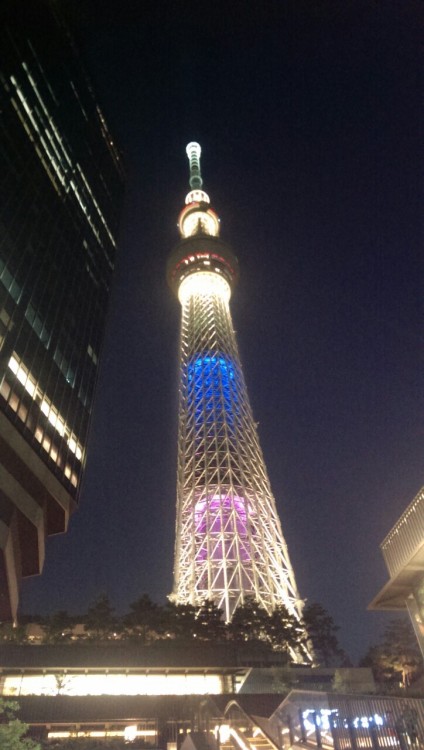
(61,187)
(406,537)
(403,552)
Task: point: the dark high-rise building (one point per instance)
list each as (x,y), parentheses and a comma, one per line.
(61,183)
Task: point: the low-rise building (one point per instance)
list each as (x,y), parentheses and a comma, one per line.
(403,552)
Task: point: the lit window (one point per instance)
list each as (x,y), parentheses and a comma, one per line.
(130,733)
(5,317)
(46,443)
(203,283)
(14,401)
(115,684)
(92,354)
(26,382)
(5,389)
(23,376)
(22,412)
(46,407)
(53,417)
(10,283)
(197,196)
(75,447)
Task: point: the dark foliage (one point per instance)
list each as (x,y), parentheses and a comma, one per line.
(148,622)
(322,633)
(396,660)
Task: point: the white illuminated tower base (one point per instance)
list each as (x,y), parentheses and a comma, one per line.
(229,542)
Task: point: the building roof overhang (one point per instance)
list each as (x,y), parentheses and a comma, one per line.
(396,591)
(165,657)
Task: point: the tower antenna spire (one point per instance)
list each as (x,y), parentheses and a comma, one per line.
(193,151)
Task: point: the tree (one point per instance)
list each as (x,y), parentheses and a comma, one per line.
(397,657)
(284,631)
(249,622)
(100,622)
(322,633)
(10,633)
(144,620)
(62,680)
(58,627)
(373,659)
(400,650)
(209,625)
(13,731)
(179,621)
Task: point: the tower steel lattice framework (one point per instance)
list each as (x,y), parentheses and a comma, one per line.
(229,542)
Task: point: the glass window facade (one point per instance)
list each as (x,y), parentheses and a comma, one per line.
(61,188)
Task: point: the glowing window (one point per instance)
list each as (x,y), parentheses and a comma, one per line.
(92,354)
(114,684)
(46,443)
(203,283)
(46,407)
(5,317)
(197,196)
(5,389)
(14,401)
(22,412)
(23,376)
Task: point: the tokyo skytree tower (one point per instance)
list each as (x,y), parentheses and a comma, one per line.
(229,543)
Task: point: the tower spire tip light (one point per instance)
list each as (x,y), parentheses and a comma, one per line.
(193,152)
(196,194)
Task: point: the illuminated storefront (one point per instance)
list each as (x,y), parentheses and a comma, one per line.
(115,683)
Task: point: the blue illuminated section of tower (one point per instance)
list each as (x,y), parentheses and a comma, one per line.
(229,543)
(213,378)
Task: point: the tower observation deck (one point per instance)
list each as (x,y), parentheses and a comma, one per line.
(229,543)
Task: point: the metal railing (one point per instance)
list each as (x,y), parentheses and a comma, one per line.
(346,722)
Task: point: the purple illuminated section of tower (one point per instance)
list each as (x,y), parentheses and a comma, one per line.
(224,512)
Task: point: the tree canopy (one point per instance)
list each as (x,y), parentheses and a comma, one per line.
(100,622)
(12,730)
(58,627)
(322,632)
(396,659)
(147,622)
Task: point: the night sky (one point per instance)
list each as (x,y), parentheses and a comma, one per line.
(308,114)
